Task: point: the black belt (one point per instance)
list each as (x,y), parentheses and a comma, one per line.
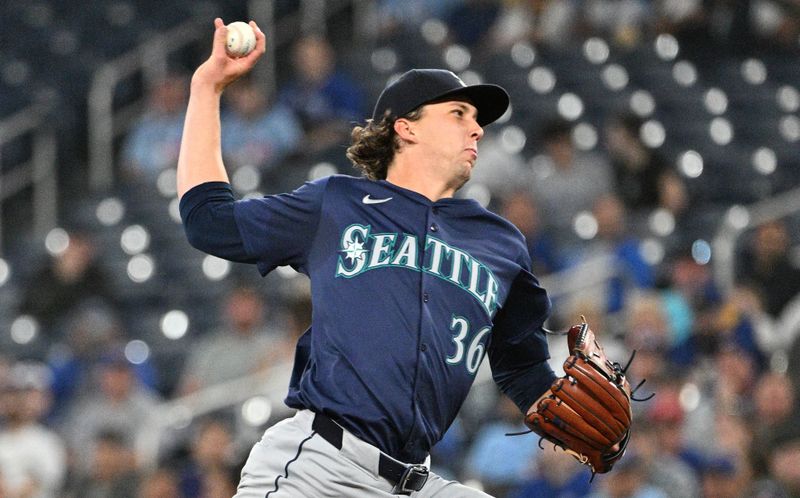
(406,478)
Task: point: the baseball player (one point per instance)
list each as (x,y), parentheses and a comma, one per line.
(411,287)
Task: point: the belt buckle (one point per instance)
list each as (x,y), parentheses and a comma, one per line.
(414,477)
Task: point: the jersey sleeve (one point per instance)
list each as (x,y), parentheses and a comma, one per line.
(207,214)
(279,230)
(518,352)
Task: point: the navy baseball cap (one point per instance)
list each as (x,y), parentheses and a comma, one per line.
(418,87)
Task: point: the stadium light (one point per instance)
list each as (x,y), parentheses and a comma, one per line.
(110,211)
(56,241)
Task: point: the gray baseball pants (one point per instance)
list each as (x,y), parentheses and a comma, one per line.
(292,460)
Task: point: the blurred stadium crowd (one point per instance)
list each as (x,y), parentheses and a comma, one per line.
(637,129)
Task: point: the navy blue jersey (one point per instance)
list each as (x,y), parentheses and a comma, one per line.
(408,295)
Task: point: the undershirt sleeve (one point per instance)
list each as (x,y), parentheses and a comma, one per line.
(208,220)
(518,352)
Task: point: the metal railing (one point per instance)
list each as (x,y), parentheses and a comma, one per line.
(151,60)
(179,413)
(38,172)
(739,219)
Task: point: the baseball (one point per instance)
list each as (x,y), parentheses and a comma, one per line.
(241,39)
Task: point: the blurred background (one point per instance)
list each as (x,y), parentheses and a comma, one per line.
(651,156)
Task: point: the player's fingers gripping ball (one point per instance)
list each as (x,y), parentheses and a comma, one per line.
(588,411)
(241,39)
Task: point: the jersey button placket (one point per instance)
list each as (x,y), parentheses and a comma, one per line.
(425,297)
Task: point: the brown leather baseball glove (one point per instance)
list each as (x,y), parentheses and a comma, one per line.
(588,411)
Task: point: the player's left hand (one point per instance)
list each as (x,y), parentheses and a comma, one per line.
(221,69)
(588,411)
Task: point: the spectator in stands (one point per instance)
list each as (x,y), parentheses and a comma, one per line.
(783,480)
(766,265)
(499,168)
(326,99)
(783,463)
(644,180)
(725,385)
(738,321)
(735,440)
(111,468)
(397,17)
(688,21)
(720,478)
(736,372)
(557,474)
(743,316)
(119,404)
(646,332)
(33,460)
(775,23)
(748,25)
(775,408)
(760,26)
(690,299)
(622,22)
(153,143)
(243,345)
(254,131)
(471,20)
(663,470)
(666,413)
(520,209)
(627,480)
(218,484)
(544,22)
(92,334)
(615,241)
(161,483)
(501,462)
(774,405)
(72,277)
(211,464)
(567,182)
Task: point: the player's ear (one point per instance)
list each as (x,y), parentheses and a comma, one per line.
(405,130)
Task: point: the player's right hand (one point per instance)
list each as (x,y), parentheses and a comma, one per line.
(220,70)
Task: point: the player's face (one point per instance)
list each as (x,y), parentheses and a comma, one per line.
(449,133)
